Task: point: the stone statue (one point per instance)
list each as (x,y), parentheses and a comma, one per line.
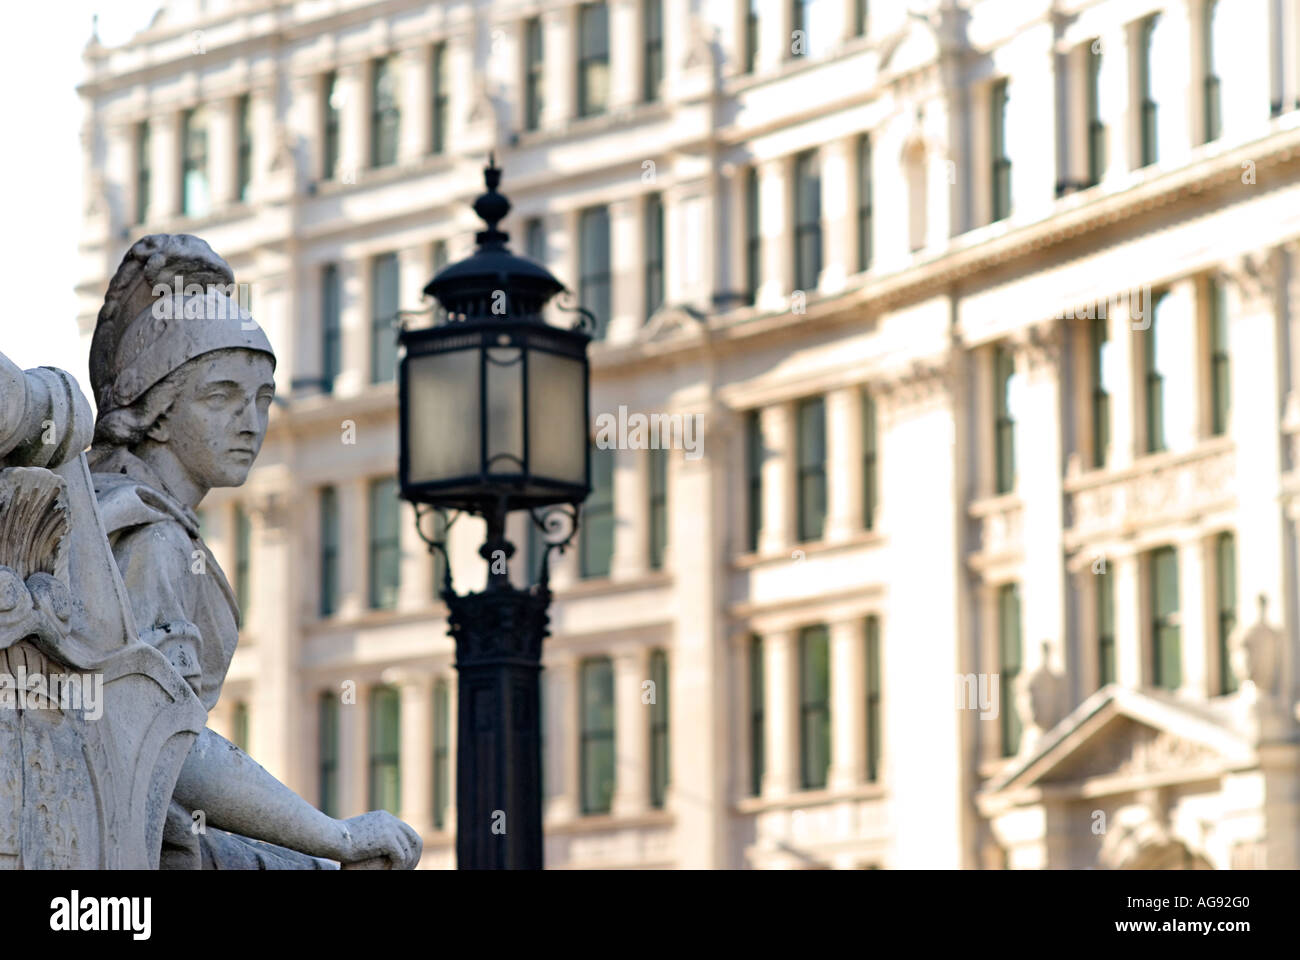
(117,584)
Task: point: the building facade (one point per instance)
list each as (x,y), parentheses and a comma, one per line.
(989,315)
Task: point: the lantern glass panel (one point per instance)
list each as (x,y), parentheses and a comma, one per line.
(505,410)
(443,416)
(557,421)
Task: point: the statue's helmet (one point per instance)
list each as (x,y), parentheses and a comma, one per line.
(171,300)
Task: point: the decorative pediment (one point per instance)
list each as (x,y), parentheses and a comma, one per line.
(1128,748)
(668,322)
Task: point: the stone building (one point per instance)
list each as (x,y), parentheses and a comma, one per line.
(990,314)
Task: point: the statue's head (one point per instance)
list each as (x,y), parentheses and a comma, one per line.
(182,374)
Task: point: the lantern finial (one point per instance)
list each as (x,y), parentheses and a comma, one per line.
(492,207)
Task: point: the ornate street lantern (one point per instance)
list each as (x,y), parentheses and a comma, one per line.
(494,418)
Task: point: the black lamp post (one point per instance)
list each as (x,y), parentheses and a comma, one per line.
(494,418)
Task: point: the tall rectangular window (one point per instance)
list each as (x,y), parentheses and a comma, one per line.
(751,35)
(597,745)
(385,299)
(385,749)
(385,544)
(1147,107)
(535,239)
(1009,661)
(870,462)
(807,220)
(385,112)
(196,198)
(329,551)
(1096,128)
(594,283)
(1158,369)
(1005,383)
(1099,359)
(244,168)
(864,201)
(327,712)
(593,59)
(812,468)
(330,120)
(658,507)
(814,707)
(753,237)
(243,560)
(654,254)
(534,74)
(440,97)
(441,753)
(811,27)
(241,725)
(757,740)
(439,561)
(1105,627)
(659,768)
(754,473)
(1000,162)
(1166,636)
(596,534)
(873,687)
(1212,31)
(859,18)
(1225,577)
(143,172)
(652,32)
(1220,368)
(331,302)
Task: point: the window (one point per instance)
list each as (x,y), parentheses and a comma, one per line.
(534,74)
(333,105)
(441,92)
(659,770)
(329,551)
(441,753)
(859,18)
(1282,57)
(1220,370)
(1005,389)
(1166,640)
(196,200)
(1147,104)
(331,326)
(757,754)
(594,284)
(385,114)
(807,220)
(244,171)
(385,544)
(1225,575)
(1099,354)
(596,535)
(536,552)
(385,750)
(143,172)
(1158,369)
(814,707)
(327,712)
(652,29)
(438,254)
(535,239)
(241,725)
(439,561)
(864,201)
(870,465)
(811,23)
(243,561)
(753,237)
(597,735)
(751,35)
(654,254)
(1105,626)
(1213,36)
(1096,129)
(1009,661)
(754,471)
(593,59)
(658,507)
(384,294)
(1000,189)
(812,468)
(873,699)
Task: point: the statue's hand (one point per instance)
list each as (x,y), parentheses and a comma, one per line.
(380,834)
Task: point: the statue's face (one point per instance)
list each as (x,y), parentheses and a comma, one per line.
(218,422)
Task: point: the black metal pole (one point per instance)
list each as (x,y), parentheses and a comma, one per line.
(498,635)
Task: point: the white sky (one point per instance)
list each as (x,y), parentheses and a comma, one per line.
(40,171)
